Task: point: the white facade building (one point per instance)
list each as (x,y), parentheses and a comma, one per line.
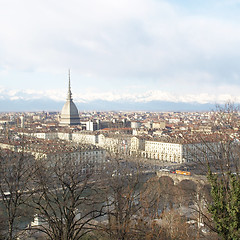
(171,151)
(85,137)
(164,151)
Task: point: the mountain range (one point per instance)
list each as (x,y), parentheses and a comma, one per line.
(101,105)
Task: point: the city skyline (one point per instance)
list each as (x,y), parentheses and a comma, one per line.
(118,52)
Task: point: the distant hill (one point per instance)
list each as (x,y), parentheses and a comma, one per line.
(50,105)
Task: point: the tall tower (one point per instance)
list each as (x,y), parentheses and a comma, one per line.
(22,121)
(69,114)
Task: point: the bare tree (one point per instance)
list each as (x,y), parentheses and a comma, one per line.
(64,200)
(122,198)
(158,194)
(16,172)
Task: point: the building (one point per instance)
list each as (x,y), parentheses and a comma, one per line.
(89,157)
(85,137)
(69,114)
(115,143)
(165,151)
(172,151)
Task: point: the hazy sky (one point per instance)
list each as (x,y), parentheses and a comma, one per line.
(136,50)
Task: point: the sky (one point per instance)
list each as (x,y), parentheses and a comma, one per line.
(129,50)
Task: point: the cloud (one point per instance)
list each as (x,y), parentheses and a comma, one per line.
(158,46)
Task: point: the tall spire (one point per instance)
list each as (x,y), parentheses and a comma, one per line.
(69,114)
(69,97)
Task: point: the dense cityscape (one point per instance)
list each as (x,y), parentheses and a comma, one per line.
(114,175)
